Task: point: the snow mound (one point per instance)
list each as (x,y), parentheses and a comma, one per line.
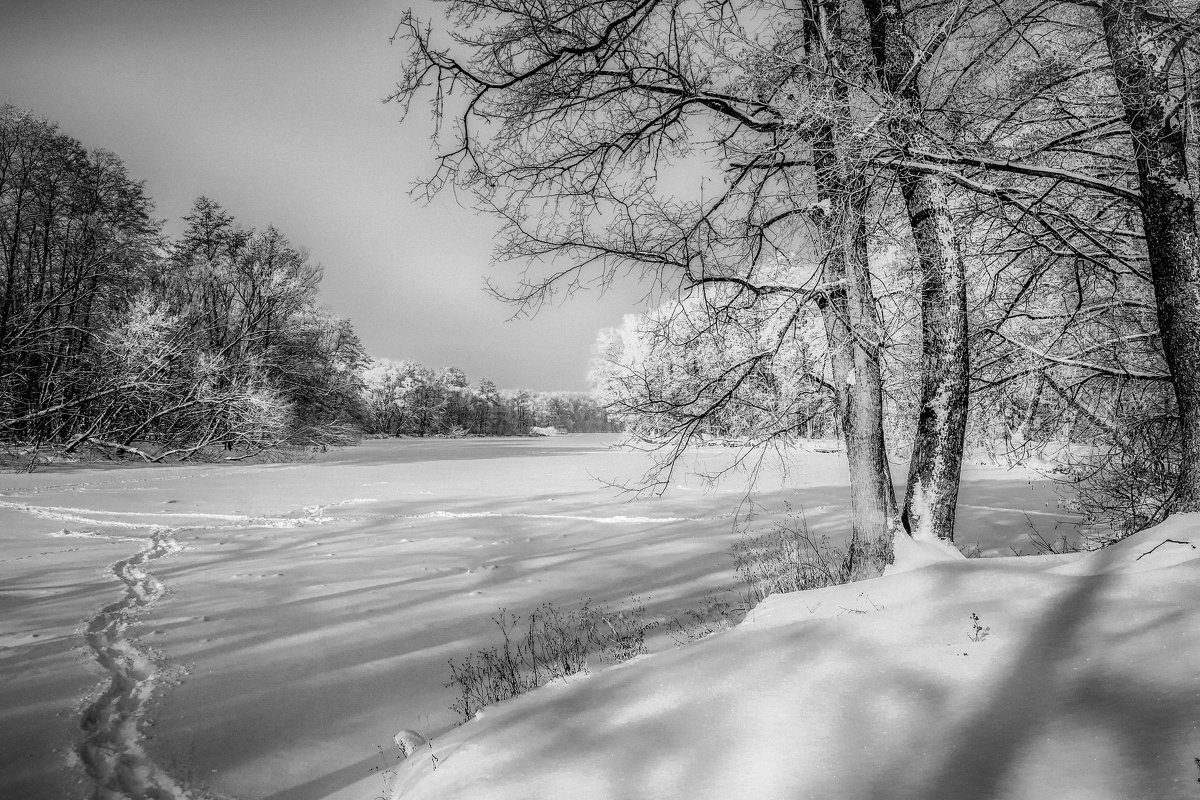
(947,678)
(910,553)
(1172,542)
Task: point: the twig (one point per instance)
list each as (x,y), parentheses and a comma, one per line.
(1160,544)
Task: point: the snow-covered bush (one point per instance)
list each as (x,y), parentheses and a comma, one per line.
(718,364)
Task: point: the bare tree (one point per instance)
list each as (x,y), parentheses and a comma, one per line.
(1071,124)
(1146,46)
(584,129)
(902,49)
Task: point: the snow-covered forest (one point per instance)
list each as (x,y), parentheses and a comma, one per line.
(118,341)
(404,397)
(888,487)
(114,337)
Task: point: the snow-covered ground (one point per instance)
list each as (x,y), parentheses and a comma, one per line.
(1040,678)
(271,627)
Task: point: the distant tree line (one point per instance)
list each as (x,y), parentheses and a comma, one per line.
(116,338)
(406,398)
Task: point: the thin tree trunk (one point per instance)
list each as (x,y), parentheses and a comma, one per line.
(1168,216)
(852,328)
(860,411)
(1025,429)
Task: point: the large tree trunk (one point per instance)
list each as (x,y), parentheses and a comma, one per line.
(849,310)
(1191,71)
(1168,216)
(936,462)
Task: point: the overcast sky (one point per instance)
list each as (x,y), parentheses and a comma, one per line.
(273,109)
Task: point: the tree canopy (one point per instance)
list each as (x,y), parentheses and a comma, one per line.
(1010,151)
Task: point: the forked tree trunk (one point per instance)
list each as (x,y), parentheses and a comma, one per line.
(936,462)
(1160,144)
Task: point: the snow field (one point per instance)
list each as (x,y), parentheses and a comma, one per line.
(313,607)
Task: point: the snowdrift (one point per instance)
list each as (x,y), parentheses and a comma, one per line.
(1076,678)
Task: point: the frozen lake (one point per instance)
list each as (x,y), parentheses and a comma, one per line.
(274,625)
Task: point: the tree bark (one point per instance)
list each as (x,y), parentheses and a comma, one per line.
(936,461)
(1159,138)
(850,319)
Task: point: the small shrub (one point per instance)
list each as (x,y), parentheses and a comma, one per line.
(972,550)
(1059,546)
(788,558)
(1125,481)
(550,645)
(978,631)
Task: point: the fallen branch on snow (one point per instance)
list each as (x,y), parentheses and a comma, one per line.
(1160,544)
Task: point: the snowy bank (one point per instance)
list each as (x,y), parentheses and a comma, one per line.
(1076,679)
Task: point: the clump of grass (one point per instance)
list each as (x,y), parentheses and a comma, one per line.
(972,550)
(789,558)
(1061,545)
(549,645)
(715,614)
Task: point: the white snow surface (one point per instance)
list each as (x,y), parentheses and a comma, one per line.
(310,608)
(1083,686)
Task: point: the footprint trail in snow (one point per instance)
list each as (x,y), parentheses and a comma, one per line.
(112,750)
